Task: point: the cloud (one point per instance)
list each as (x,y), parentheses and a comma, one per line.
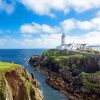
(96,22)
(45,7)
(87,25)
(91,38)
(48,7)
(8,8)
(49,40)
(2,42)
(35,28)
(52,36)
(29,28)
(83,5)
(65,26)
(68,25)
(44,41)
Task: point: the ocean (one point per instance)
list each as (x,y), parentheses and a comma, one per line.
(21,56)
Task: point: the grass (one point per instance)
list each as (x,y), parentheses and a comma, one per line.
(91,80)
(29,86)
(59,57)
(4,67)
(90,51)
(54,52)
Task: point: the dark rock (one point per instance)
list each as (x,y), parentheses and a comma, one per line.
(65,75)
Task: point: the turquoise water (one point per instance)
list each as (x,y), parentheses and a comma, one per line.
(21,56)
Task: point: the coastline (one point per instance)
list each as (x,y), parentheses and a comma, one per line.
(16,83)
(45,71)
(55,80)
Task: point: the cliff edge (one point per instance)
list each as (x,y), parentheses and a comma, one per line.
(77,75)
(17,84)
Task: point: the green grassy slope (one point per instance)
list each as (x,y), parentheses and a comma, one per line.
(15,74)
(4,67)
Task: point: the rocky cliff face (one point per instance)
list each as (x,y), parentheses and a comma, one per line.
(77,75)
(17,84)
(83,87)
(58,61)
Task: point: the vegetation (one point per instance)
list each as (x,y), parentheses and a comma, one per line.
(15,74)
(91,51)
(54,52)
(58,59)
(74,66)
(4,67)
(61,54)
(91,80)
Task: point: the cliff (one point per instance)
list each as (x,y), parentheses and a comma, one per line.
(59,61)
(17,84)
(77,75)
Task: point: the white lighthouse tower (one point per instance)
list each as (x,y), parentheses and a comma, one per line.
(63,38)
(63,43)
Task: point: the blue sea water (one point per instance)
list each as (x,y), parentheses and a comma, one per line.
(21,56)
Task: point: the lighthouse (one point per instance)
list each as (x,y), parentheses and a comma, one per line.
(63,43)
(63,38)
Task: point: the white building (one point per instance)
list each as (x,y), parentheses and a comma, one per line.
(63,44)
(93,47)
(71,46)
(78,46)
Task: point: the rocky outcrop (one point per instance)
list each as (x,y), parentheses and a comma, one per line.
(17,84)
(76,75)
(77,89)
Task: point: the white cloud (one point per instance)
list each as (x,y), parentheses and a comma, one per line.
(83,5)
(64,26)
(49,40)
(35,28)
(96,22)
(93,37)
(2,42)
(70,24)
(85,25)
(48,7)
(8,8)
(29,28)
(44,41)
(48,29)
(45,7)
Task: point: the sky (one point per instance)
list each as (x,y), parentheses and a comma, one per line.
(40,23)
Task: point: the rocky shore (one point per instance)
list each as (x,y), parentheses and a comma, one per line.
(76,75)
(17,84)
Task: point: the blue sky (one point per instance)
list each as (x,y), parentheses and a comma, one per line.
(39,23)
